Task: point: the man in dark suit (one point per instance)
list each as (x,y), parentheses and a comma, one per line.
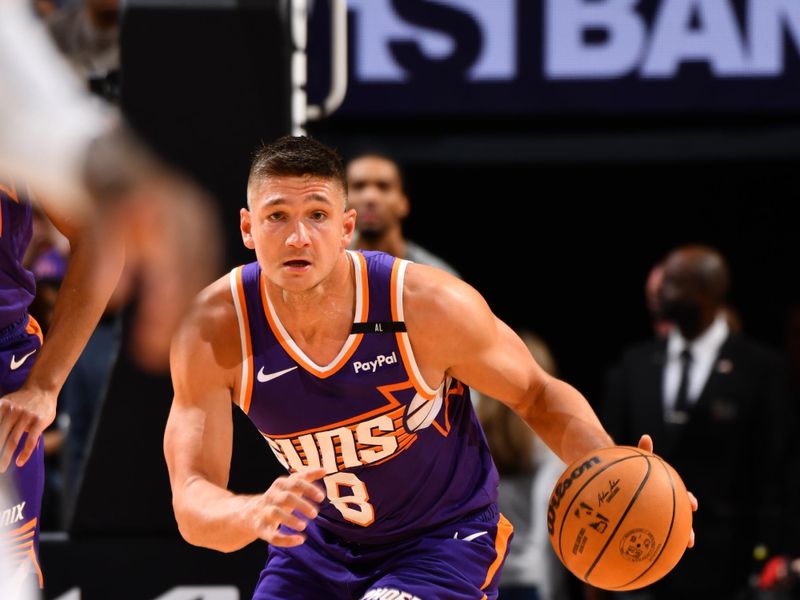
(718,408)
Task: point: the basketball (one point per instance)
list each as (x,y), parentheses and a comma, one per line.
(619,518)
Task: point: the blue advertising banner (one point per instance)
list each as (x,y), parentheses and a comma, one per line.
(540,57)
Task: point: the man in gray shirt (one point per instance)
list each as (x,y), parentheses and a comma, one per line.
(375,190)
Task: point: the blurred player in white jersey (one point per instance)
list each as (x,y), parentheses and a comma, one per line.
(66,143)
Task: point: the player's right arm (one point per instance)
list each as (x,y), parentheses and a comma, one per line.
(205,359)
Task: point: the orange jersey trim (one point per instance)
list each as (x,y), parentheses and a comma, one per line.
(239,301)
(21,542)
(350,345)
(504,531)
(22,530)
(403,341)
(33,328)
(10,190)
(362,318)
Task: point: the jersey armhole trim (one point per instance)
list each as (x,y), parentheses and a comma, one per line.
(240,303)
(403,342)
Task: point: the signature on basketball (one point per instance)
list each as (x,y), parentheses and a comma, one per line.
(608,496)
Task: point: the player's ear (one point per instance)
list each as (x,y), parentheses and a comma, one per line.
(246,225)
(348,227)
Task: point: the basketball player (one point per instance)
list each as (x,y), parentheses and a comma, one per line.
(69,145)
(355,367)
(32,373)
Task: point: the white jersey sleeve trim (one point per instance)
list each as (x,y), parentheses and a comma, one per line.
(398,291)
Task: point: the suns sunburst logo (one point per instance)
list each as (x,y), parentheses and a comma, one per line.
(365,440)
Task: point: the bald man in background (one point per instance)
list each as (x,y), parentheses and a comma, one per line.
(718,407)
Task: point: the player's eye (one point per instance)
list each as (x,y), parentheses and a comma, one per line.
(276,217)
(318,215)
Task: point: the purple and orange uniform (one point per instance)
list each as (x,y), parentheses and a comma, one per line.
(411,487)
(20,339)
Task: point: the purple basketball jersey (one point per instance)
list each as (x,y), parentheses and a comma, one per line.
(20,340)
(17,286)
(401,458)
(20,516)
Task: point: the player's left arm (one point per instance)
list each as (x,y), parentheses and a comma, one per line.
(96,259)
(457,333)
(466,340)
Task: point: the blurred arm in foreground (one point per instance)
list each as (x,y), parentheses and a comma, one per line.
(68,144)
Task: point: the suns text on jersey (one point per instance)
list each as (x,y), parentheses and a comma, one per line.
(345,446)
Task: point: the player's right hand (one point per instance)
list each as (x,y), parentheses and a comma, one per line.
(278,505)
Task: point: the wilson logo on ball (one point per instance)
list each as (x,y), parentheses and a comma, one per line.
(562,487)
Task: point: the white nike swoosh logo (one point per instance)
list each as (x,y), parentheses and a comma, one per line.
(16,364)
(262,378)
(471,537)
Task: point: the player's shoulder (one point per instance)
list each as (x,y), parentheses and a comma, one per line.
(418,254)
(437,298)
(211,318)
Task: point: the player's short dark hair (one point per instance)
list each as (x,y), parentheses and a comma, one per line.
(297,156)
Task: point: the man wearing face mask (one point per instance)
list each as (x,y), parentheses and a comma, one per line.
(720,412)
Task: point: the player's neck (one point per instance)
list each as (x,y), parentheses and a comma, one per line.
(330,305)
(392,242)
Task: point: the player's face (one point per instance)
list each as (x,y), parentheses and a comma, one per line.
(375,193)
(298,228)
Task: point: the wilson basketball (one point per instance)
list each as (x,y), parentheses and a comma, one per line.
(619,518)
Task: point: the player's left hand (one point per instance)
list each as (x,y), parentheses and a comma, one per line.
(24,411)
(646,444)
